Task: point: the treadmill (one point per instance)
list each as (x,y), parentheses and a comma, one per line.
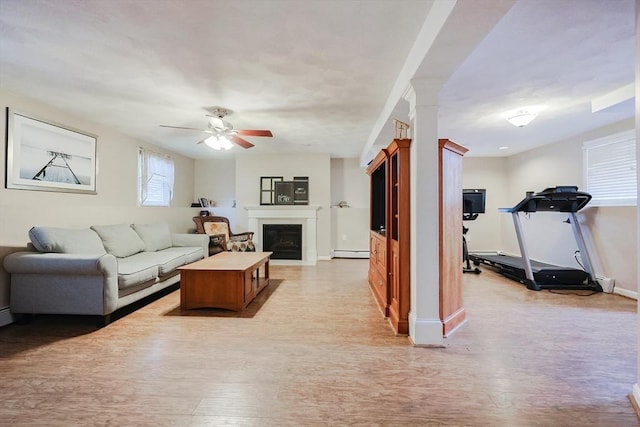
(538,275)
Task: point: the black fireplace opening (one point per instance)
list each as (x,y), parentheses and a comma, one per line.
(284,240)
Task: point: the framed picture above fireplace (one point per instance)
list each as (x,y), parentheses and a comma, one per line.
(301,192)
(268,188)
(284,193)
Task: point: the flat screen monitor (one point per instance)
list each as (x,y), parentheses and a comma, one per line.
(473,200)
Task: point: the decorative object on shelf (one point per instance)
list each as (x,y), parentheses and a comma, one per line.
(267,189)
(204,202)
(284,193)
(343,204)
(49,157)
(401,129)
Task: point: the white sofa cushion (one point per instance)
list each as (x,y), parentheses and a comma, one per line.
(119,240)
(155,236)
(132,271)
(66,241)
(189,254)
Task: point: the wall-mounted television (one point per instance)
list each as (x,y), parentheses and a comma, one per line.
(473,200)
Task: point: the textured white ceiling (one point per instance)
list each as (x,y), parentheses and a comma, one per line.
(315,72)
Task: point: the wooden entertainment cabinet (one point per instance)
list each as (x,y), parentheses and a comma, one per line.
(389,272)
(390,233)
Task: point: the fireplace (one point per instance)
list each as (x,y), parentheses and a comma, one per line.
(284,240)
(304,215)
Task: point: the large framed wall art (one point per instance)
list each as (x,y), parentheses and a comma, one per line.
(49,157)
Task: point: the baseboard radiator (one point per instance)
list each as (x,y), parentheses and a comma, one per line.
(5,316)
(346,253)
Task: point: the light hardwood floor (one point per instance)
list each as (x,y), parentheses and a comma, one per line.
(313,349)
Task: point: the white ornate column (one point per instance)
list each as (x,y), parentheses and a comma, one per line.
(425,326)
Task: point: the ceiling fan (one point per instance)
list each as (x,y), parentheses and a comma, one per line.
(223,135)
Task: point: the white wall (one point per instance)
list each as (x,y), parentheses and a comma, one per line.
(250,167)
(116,183)
(485,233)
(349,226)
(215,179)
(349,182)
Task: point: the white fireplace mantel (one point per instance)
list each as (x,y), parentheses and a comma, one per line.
(307,215)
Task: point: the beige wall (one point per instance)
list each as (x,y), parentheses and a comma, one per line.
(250,167)
(215,179)
(489,173)
(115,202)
(349,226)
(349,182)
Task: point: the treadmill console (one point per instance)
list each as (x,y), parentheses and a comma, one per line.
(553,199)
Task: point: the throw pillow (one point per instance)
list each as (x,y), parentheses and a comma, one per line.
(211,228)
(66,241)
(155,236)
(119,240)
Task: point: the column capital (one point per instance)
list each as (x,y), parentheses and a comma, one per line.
(422,92)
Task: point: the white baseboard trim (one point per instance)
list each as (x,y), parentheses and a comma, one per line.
(324,258)
(346,253)
(425,332)
(626,293)
(5,316)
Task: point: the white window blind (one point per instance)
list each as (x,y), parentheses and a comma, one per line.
(610,174)
(155,178)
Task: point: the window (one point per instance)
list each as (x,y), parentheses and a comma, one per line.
(610,173)
(155,178)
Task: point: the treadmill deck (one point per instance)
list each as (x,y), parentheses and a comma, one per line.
(545,275)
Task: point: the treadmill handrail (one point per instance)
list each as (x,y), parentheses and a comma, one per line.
(554,199)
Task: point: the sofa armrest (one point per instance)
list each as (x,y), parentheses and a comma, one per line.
(184,239)
(54,263)
(63,283)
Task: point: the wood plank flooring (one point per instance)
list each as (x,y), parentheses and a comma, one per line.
(313,349)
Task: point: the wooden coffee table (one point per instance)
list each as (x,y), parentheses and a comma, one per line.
(227,280)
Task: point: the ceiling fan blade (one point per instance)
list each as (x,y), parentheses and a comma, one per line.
(241,142)
(181,127)
(254,132)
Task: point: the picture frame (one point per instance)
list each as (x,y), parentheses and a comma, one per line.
(267,189)
(284,191)
(46,156)
(301,192)
(204,202)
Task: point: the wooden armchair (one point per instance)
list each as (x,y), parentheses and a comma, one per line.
(221,238)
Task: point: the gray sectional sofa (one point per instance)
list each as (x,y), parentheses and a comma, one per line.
(97,270)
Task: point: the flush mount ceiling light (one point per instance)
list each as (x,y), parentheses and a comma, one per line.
(520,118)
(218,142)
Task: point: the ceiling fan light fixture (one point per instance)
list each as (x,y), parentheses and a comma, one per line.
(218,143)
